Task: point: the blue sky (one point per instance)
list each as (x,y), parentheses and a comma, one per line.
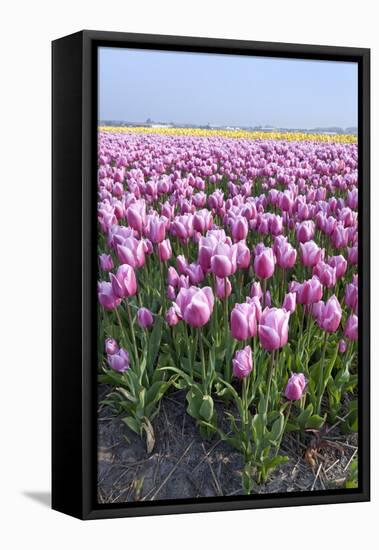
(225,90)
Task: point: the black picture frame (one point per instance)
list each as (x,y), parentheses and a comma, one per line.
(74,270)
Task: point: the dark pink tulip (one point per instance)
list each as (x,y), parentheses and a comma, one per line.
(340,264)
(243,255)
(181,264)
(243,321)
(172,277)
(286,201)
(286,255)
(119,361)
(273,328)
(240,229)
(330,315)
(295,387)
(351,296)
(106,296)
(171,317)
(311,254)
(243,363)
(182,227)
(136,216)
(326,274)
(144,317)
(223,288)
(106,262)
(111,346)
(275,225)
(351,328)
(305,231)
(310,291)
(195,305)
(124,283)
(164,250)
(264,264)
(289,302)
(224,260)
(132,252)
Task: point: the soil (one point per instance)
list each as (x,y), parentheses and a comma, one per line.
(184,465)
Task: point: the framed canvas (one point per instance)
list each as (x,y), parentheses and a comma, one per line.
(211,275)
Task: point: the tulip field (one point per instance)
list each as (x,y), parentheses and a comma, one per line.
(228,299)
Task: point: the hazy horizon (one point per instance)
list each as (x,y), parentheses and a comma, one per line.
(225,90)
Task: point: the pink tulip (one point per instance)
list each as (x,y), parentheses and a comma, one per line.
(224,260)
(172,277)
(144,317)
(256,290)
(351,296)
(164,250)
(295,387)
(240,229)
(243,321)
(330,315)
(352,255)
(106,262)
(223,288)
(351,328)
(243,255)
(131,252)
(326,274)
(106,296)
(157,228)
(305,231)
(243,363)
(342,347)
(264,264)
(310,291)
(273,328)
(339,263)
(311,254)
(124,283)
(289,302)
(202,220)
(286,255)
(195,305)
(119,361)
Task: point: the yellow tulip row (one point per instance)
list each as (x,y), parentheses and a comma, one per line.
(204,132)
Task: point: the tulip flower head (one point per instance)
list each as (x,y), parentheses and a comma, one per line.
(295,387)
(243,363)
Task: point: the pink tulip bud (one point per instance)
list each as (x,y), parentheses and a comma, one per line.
(172,277)
(243,363)
(295,387)
(256,290)
(273,328)
(326,274)
(144,317)
(171,294)
(310,291)
(171,317)
(351,296)
(240,229)
(285,255)
(243,255)
(340,264)
(224,260)
(305,231)
(342,347)
(111,346)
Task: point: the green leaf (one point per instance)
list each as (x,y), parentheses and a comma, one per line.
(132,423)
(207,408)
(315,422)
(277,429)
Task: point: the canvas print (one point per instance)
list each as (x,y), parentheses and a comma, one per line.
(227,208)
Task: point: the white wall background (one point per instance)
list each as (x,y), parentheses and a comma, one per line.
(26,31)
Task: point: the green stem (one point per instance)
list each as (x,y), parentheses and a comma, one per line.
(188,350)
(121,327)
(132,330)
(203,369)
(321,378)
(270,373)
